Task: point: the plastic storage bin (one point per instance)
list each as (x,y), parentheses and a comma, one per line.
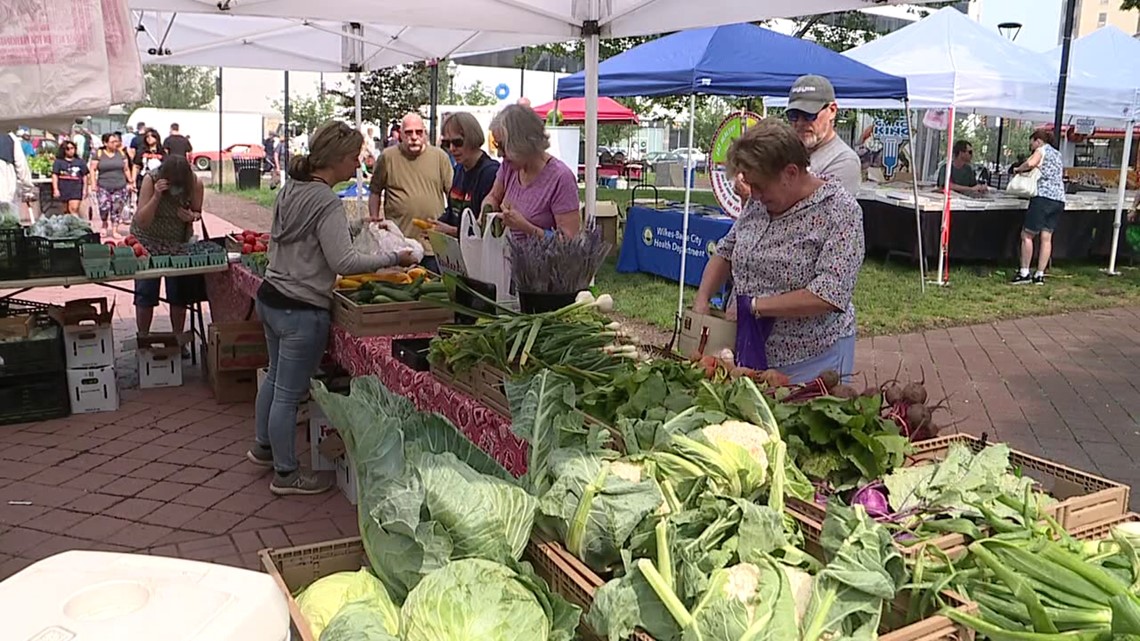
(81,595)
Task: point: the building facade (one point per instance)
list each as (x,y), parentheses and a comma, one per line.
(1094,14)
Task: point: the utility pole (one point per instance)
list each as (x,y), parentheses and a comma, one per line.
(1063,79)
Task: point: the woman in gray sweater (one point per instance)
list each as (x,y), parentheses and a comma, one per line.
(311,245)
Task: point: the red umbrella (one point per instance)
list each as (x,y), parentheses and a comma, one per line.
(574,110)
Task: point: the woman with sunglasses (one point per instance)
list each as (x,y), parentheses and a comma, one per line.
(475,171)
(69,177)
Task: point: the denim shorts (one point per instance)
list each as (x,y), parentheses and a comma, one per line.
(146,291)
(1043,214)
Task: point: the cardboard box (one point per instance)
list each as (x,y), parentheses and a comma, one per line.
(237,346)
(346,478)
(93,390)
(160,361)
(713,330)
(234,386)
(88,338)
(325,444)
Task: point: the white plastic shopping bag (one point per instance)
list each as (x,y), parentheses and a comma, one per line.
(485,254)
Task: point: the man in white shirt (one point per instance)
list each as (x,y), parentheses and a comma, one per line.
(811,111)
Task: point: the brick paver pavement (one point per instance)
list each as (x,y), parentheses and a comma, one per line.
(1065,387)
(166,474)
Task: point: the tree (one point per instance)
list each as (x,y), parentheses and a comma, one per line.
(1127,5)
(475,95)
(388,94)
(176,87)
(308,112)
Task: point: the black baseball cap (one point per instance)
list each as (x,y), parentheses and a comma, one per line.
(810,94)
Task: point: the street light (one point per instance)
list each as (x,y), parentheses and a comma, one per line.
(1010,30)
(451,69)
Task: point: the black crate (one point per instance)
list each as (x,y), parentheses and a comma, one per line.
(14,307)
(46,257)
(412,352)
(39,355)
(12,264)
(24,399)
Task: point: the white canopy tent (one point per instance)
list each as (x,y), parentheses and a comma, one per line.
(500,24)
(1112,58)
(953,62)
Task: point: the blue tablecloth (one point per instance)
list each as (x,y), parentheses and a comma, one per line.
(652,241)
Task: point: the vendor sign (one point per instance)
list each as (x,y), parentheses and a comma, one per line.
(730,129)
(887,141)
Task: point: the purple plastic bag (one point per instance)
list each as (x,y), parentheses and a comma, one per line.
(751,335)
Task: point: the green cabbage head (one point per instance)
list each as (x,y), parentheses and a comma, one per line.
(359,621)
(322,600)
(478,599)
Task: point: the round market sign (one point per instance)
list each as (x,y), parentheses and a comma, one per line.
(730,129)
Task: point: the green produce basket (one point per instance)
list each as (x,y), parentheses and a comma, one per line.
(199,260)
(126,266)
(179,262)
(97,268)
(144,263)
(216,258)
(160,262)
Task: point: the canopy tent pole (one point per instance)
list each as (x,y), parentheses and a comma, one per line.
(944,237)
(360,128)
(592,31)
(914,186)
(221,182)
(688,204)
(1128,132)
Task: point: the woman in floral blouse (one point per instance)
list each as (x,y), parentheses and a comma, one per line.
(794,256)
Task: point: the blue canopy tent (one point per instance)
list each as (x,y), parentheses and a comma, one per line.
(733,60)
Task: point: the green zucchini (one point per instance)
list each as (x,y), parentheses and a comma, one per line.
(433,288)
(379,299)
(396,294)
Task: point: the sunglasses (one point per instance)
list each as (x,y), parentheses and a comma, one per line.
(451,142)
(795,115)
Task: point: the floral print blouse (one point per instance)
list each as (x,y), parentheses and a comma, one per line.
(816,245)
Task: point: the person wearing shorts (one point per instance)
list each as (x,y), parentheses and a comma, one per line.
(1044,209)
(170,202)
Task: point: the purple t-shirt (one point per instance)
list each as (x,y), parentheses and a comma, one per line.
(554,191)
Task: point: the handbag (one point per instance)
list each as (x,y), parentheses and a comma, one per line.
(1024,185)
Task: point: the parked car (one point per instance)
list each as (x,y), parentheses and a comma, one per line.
(682,155)
(203,160)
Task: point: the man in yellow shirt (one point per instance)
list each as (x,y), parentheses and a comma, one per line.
(414,179)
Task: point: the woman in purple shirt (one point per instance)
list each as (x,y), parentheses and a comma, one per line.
(536,193)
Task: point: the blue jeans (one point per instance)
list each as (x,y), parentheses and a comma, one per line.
(839,357)
(297,339)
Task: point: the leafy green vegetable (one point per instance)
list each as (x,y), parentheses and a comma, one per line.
(321,601)
(963,484)
(361,621)
(479,599)
(842,441)
(427,494)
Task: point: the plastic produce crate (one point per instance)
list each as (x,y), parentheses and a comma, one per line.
(1083,499)
(179,262)
(1102,530)
(41,353)
(45,257)
(38,397)
(294,569)
(12,264)
(160,262)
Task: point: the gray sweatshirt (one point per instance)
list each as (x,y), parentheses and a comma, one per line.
(310,244)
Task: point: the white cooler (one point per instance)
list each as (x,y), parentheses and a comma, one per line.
(107,596)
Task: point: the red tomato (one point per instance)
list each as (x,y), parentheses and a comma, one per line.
(132,241)
(247,249)
(264,238)
(140,250)
(259,248)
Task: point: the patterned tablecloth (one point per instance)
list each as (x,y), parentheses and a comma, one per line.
(231,294)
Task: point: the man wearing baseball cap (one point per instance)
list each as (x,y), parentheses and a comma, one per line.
(811,111)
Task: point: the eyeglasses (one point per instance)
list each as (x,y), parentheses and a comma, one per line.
(414,132)
(451,142)
(795,115)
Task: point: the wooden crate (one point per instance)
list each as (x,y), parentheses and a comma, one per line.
(1103,530)
(464,382)
(577,583)
(1083,499)
(388,319)
(294,569)
(491,389)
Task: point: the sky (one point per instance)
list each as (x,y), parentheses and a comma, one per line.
(1040,19)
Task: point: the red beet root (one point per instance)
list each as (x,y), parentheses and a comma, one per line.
(914,394)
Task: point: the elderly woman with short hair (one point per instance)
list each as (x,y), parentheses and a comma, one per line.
(794,256)
(475,171)
(537,193)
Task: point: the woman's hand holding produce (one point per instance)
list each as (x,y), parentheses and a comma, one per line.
(514,219)
(407,258)
(444,228)
(161,185)
(187,216)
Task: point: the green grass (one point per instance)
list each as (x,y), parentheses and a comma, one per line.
(263,196)
(622,196)
(888,299)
